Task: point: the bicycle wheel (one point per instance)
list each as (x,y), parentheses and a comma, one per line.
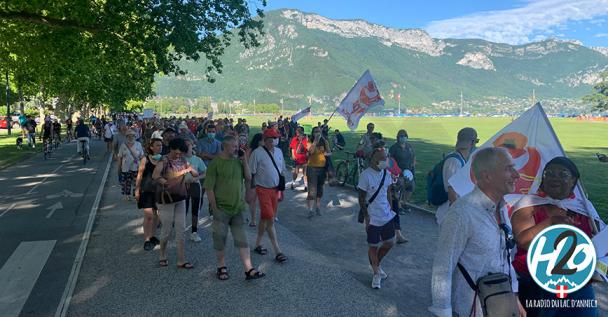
(355,177)
(342,173)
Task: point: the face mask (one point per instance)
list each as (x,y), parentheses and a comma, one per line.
(317,135)
(382,165)
(402,139)
(211,135)
(156,157)
(275,142)
(473,149)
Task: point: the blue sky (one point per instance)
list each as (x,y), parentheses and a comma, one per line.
(513,22)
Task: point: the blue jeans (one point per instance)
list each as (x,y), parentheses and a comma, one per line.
(529,290)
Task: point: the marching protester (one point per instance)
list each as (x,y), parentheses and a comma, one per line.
(268,166)
(194,186)
(535,212)
(403,153)
(129,156)
(168,135)
(475,237)
(316,170)
(365,144)
(250,193)
(145,190)
(208,147)
(374,201)
(171,201)
(108,135)
(184,132)
(465,144)
(224,185)
(299,155)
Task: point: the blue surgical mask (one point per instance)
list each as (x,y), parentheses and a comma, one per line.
(157,157)
(275,141)
(211,135)
(402,139)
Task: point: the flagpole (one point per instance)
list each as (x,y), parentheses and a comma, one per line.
(579,184)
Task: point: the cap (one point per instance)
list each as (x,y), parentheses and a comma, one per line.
(183,125)
(271,133)
(168,130)
(130,132)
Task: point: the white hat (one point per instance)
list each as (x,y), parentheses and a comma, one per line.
(157,135)
(408,175)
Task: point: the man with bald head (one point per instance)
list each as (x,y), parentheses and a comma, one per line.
(475,234)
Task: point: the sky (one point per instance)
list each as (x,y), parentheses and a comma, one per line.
(512,22)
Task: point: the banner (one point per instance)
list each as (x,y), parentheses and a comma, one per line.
(301,114)
(362,97)
(532,143)
(148,113)
(210,115)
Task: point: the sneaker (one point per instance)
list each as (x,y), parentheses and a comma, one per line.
(401,240)
(318,211)
(383,274)
(376,281)
(276,219)
(311,214)
(148,245)
(195,237)
(292,187)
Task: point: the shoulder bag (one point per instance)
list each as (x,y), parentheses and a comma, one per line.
(281,186)
(361,216)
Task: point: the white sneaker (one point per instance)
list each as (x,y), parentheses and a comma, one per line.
(376,281)
(195,237)
(383,274)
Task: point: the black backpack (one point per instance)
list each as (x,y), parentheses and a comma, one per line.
(435,191)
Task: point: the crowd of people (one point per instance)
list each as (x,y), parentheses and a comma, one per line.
(167,165)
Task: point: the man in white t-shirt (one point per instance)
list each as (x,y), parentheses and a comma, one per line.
(465,145)
(108,134)
(379,218)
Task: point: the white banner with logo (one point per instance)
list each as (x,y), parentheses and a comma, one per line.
(362,97)
(148,113)
(532,143)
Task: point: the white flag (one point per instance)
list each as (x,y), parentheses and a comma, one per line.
(301,114)
(362,97)
(532,143)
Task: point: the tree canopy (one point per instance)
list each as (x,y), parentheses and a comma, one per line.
(599,97)
(97,52)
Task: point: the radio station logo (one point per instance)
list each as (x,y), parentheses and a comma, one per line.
(561,259)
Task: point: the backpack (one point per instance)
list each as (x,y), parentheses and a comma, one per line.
(435,191)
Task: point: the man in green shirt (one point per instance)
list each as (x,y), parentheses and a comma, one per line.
(224,186)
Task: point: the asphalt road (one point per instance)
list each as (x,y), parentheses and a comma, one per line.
(44,208)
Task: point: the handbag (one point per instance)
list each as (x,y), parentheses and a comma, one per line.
(361,216)
(281,186)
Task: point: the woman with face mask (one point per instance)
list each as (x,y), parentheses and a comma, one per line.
(318,147)
(551,205)
(403,153)
(145,189)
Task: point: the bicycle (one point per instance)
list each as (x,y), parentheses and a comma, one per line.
(56,141)
(85,151)
(347,174)
(69,135)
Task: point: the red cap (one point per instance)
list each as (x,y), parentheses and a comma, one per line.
(271,133)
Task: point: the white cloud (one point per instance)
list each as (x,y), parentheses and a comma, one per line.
(601,35)
(536,19)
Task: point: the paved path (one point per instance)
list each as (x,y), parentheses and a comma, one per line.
(44,208)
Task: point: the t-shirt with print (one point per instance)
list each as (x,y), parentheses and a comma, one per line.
(379,210)
(300,149)
(225,177)
(130,156)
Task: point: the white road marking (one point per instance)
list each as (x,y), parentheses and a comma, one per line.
(20,273)
(64,193)
(54,171)
(54,207)
(64,304)
(8,209)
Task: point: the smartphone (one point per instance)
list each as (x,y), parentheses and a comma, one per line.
(241,153)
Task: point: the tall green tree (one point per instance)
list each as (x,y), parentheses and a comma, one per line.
(599,97)
(92,52)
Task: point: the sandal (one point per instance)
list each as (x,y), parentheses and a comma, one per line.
(259,250)
(254,276)
(148,245)
(186,266)
(252,224)
(280,258)
(155,241)
(222,273)
(163,263)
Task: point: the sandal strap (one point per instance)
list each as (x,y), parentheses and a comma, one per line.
(222,270)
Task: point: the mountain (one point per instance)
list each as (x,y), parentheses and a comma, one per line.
(305,57)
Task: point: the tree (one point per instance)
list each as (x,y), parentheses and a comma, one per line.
(107,52)
(599,98)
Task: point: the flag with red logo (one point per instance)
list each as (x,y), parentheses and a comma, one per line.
(361,98)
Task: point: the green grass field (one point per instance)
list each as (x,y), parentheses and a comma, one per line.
(432,137)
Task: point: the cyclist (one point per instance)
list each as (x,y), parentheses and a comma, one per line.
(82,133)
(69,127)
(57,130)
(47,132)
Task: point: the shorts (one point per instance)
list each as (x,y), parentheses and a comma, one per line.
(377,235)
(146,200)
(221,222)
(108,140)
(269,201)
(316,180)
